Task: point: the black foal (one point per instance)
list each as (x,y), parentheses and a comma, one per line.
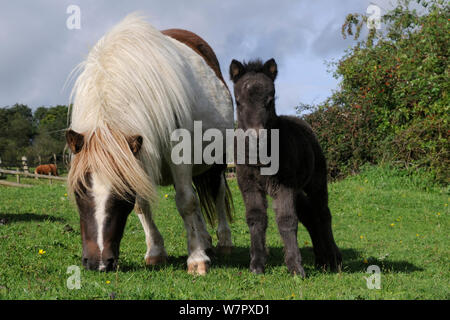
(298,188)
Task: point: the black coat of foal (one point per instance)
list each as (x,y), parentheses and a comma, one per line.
(299,188)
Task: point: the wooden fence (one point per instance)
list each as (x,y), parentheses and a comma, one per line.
(18,174)
(230,172)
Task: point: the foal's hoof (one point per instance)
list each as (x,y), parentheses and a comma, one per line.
(224,250)
(298,271)
(155,260)
(331,261)
(200,268)
(257,269)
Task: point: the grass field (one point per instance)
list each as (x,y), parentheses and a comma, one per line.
(381,217)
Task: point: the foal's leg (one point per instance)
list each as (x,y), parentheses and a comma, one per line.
(156,253)
(256,215)
(316,217)
(225,244)
(284,207)
(189,207)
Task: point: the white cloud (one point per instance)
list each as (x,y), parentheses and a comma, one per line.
(38,51)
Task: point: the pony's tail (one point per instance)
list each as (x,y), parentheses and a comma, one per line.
(207,186)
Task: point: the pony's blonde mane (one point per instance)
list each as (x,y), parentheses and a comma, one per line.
(133,82)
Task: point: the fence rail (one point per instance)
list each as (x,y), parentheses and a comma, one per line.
(18,174)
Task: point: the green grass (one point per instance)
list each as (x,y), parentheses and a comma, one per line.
(381,216)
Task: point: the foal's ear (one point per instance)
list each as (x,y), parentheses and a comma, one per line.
(75,141)
(236,70)
(135,143)
(270,69)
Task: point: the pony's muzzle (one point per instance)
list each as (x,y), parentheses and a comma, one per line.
(106,265)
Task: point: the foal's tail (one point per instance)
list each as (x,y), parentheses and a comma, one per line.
(208,185)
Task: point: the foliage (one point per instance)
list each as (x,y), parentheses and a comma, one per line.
(37,135)
(392,104)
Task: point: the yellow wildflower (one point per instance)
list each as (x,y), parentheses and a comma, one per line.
(41,251)
(108,282)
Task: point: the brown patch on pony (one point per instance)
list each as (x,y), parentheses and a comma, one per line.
(47,169)
(200,46)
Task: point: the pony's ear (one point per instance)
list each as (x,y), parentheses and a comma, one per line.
(270,69)
(135,143)
(75,141)
(236,70)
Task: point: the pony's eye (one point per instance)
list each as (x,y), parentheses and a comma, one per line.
(269,100)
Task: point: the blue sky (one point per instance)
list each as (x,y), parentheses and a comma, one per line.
(39,51)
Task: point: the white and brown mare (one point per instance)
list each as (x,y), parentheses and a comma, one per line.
(136,87)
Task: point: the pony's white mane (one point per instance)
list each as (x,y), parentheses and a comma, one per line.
(133,82)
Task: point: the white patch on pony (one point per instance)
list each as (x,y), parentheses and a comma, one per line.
(134,81)
(198,255)
(213,105)
(100,192)
(137,81)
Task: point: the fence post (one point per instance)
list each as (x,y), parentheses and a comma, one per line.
(18,178)
(25,164)
(50,178)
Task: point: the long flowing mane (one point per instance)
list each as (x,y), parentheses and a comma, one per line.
(133,82)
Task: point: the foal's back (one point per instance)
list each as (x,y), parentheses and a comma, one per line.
(301,157)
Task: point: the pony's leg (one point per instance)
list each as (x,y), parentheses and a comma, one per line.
(225,244)
(287,221)
(156,253)
(315,215)
(189,207)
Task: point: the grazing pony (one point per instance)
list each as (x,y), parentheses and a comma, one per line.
(47,169)
(136,87)
(298,189)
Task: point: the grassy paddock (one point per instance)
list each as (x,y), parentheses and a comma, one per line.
(381,217)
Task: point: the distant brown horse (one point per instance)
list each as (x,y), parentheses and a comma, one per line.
(47,169)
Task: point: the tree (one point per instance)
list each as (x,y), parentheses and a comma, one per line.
(392,103)
(16,128)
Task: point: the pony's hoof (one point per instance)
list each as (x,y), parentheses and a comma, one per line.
(200,268)
(224,250)
(155,260)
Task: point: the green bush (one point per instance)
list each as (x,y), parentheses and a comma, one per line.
(392,104)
